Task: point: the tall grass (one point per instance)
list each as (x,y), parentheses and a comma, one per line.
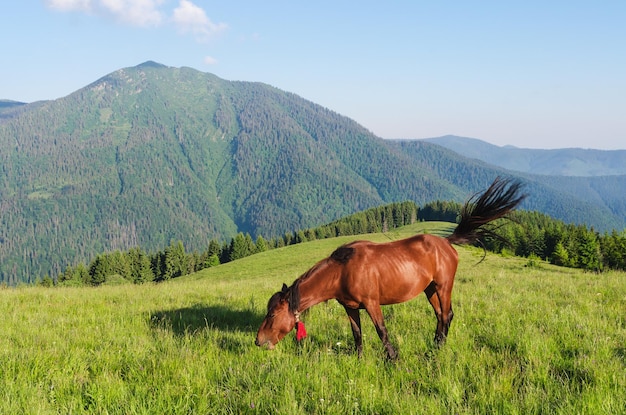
(527,338)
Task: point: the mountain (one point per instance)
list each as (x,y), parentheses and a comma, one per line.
(9,108)
(594,201)
(558,162)
(7,104)
(150,154)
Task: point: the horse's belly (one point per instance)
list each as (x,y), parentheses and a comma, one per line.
(400,293)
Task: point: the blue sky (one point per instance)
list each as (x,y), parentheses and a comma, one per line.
(535,74)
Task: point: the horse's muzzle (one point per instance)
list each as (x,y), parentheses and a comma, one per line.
(265,343)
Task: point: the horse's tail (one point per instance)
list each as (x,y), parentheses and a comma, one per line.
(496,202)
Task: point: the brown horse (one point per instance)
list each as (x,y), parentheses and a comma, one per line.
(366,275)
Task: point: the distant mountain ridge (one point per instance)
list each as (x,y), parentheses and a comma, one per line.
(151,154)
(9,108)
(556,162)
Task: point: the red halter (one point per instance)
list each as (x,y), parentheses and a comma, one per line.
(300,329)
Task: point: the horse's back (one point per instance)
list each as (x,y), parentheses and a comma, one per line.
(396,271)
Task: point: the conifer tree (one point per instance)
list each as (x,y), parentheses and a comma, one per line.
(560,255)
(589,252)
(261,245)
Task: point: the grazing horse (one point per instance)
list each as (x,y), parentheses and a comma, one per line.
(366,275)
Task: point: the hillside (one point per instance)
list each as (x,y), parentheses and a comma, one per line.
(187,345)
(150,154)
(556,162)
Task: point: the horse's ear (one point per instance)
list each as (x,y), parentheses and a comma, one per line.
(285,288)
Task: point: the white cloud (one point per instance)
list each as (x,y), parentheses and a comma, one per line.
(133,12)
(69,5)
(210,60)
(190,18)
(187,17)
(146,11)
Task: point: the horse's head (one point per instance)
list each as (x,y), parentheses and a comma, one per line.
(279,320)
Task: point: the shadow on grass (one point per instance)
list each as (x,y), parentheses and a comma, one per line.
(190,320)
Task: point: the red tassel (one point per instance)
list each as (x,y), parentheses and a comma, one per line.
(300,331)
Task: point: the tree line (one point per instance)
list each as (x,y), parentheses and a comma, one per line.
(533,234)
(527,234)
(138,266)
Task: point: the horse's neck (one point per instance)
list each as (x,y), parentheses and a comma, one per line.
(317,287)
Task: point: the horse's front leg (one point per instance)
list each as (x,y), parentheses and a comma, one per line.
(355,323)
(376,314)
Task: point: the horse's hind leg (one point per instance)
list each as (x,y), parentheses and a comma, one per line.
(441,302)
(433,298)
(376,315)
(355,324)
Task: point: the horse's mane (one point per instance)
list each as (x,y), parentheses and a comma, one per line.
(340,255)
(294,296)
(294,290)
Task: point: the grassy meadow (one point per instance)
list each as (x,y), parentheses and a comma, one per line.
(527,338)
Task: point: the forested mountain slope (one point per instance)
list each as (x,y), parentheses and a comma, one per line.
(151,154)
(555,162)
(596,201)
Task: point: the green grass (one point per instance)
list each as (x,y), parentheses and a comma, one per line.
(525,339)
